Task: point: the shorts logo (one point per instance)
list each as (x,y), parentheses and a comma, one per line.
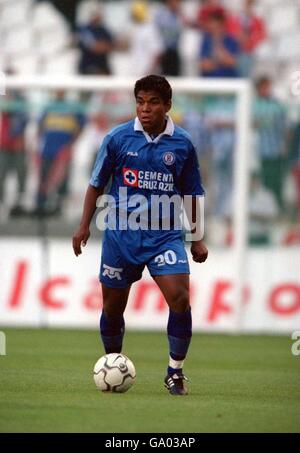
(169,158)
(130,177)
(112,272)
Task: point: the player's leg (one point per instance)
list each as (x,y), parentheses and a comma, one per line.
(112,325)
(170,270)
(116,276)
(175,289)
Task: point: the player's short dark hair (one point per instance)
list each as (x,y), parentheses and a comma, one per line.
(156,83)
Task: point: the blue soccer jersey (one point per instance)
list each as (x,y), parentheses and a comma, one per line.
(60,123)
(141,167)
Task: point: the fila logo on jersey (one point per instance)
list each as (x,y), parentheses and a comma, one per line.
(112,272)
(169,158)
(130,177)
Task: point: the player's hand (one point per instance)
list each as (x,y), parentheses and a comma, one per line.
(80,239)
(199,251)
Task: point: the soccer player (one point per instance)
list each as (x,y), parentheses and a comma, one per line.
(148,155)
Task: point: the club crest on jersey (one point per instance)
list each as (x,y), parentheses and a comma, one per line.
(169,158)
(130,177)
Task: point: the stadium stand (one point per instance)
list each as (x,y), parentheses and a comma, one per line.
(26,30)
(38,39)
(27,33)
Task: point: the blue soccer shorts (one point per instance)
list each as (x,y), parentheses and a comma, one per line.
(122,265)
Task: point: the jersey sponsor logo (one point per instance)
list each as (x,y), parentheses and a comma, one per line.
(130,177)
(151,180)
(112,272)
(169,158)
(132,153)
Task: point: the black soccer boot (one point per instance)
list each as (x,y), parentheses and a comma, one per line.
(175,384)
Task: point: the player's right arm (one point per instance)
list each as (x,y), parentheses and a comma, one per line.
(82,235)
(103,169)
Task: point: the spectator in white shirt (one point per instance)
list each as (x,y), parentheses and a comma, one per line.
(143,42)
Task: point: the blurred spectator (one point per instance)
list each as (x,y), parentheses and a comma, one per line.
(271,130)
(95,42)
(294,153)
(220,120)
(219,50)
(100,126)
(143,42)
(195,122)
(249,30)
(59,127)
(263,210)
(169,23)
(68,9)
(207,8)
(117,105)
(13,121)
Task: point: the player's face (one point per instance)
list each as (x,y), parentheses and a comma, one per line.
(151,111)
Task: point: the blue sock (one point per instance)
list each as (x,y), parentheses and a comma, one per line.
(179,336)
(112,329)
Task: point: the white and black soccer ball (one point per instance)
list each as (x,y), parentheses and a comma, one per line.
(114,373)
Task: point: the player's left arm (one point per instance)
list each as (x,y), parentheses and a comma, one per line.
(194,212)
(199,251)
(193,191)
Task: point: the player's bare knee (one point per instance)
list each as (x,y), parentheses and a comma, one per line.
(113,309)
(114,300)
(181,302)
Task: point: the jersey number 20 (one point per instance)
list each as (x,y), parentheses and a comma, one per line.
(169,257)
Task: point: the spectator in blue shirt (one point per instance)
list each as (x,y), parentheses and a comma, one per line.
(219,51)
(96,43)
(59,127)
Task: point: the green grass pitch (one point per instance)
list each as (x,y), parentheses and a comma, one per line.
(237,384)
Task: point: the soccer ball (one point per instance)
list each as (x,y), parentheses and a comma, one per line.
(114,373)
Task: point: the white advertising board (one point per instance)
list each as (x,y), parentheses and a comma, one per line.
(56,289)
